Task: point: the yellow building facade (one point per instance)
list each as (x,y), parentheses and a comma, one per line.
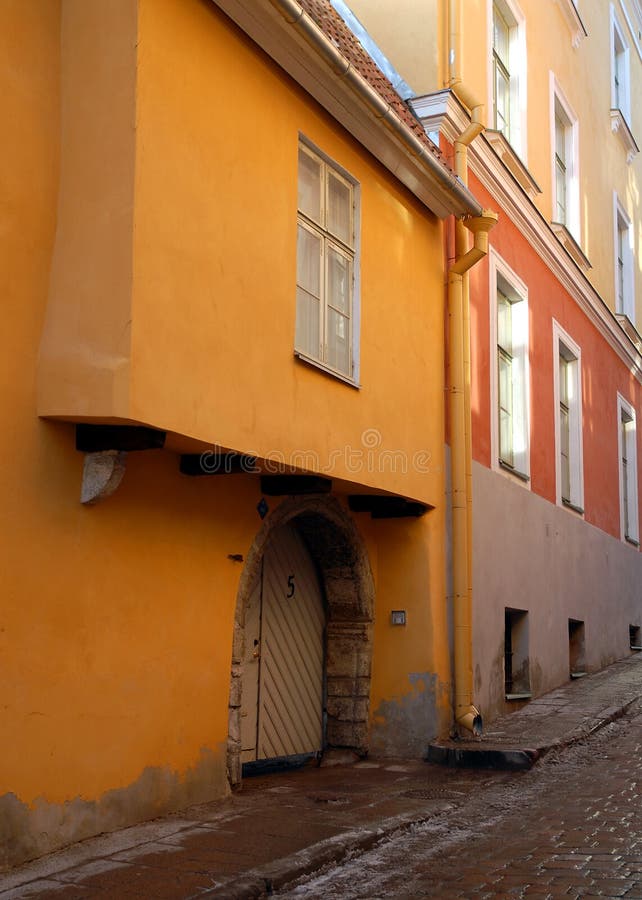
(579,59)
(163,366)
(545,93)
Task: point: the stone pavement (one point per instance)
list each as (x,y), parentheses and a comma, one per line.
(577,835)
(573,711)
(569,828)
(280,827)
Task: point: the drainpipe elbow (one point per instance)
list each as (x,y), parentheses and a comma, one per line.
(469,718)
(475,127)
(480,226)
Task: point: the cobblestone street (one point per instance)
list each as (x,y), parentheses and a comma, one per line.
(570,827)
(567,827)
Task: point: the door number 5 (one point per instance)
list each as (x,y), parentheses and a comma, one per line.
(290,592)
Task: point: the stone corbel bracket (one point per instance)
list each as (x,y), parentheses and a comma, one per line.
(105,448)
(101,475)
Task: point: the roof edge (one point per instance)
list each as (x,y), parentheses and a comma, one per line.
(429,179)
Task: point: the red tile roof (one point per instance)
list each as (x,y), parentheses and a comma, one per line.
(333,26)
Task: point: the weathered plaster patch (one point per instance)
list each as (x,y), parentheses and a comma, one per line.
(27,832)
(406,725)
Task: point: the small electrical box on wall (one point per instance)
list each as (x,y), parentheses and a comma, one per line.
(397,616)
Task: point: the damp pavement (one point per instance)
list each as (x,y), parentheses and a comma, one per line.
(568,827)
(283,828)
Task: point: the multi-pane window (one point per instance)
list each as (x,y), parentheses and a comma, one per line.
(509,382)
(501,71)
(565,426)
(620,93)
(618,80)
(505,362)
(625,422)
(325,263)
(508,61)
(565,162)
(568,427)
(624,279)
(627,446)
(561,170)
(620,268)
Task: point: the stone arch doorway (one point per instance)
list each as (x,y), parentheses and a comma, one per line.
(339,555)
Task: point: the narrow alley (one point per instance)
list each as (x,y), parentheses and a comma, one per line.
(569,827)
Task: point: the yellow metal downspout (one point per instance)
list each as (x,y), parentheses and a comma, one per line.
(467,716)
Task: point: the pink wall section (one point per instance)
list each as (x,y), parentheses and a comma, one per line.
(603,375)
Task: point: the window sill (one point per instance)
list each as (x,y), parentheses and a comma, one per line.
(630,330)
(621,127)
(576,675)
(523,695)
(635,648)
(572,19)
(576,509)
(631,541)
(506,467)
(571,246)
(504,149)
(328,370)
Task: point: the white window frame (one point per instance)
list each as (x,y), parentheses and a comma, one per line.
(620,66)
(562,341)
(559,101)
(328,163)
(623,237)
(627,446)
(517,70)
(502,277)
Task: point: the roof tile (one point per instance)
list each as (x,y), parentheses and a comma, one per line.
(333,26)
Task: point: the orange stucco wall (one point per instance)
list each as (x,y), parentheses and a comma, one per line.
(150,253)
(85,350)
(213,241)
(215,254)
(603,375)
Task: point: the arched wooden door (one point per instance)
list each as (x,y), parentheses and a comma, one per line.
(283,666)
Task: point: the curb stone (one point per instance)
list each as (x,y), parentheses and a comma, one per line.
(264,880)
(482,758)
(612,713)
(464,755)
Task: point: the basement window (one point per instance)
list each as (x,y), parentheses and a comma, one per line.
(576,650)
(635,637)
(517,681)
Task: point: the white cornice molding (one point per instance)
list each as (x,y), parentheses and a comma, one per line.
(574,250)
(512,161)
(620,126)
(630,329)
(443,112)
(574,22)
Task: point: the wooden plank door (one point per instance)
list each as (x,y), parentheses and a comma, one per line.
(290,707)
